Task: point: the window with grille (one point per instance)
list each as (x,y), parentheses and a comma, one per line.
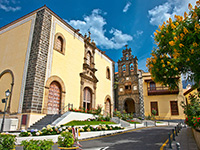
(174,107)
(154,106)
(152,86)
(59,43)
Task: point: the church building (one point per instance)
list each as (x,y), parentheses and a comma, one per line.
(129,89)
(47,64)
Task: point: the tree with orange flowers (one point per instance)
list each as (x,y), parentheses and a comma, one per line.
(178,49)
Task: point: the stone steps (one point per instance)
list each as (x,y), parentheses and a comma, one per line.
(48,119)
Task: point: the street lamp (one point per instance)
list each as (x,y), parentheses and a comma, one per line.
(7,93)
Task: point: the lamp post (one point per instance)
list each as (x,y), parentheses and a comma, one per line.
(7,93)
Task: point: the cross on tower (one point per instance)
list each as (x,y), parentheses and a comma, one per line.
(126,46)
(89,33)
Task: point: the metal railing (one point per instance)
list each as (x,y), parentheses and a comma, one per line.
(161,90)
(67,106)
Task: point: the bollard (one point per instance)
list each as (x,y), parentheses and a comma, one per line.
(135,125)
(181,126)
(178,146)
(146,124)
(173,134)
(176,131)
(168,123)
(155,122)
(178,128)
(170,144)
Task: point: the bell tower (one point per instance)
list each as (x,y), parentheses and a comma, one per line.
(128,83)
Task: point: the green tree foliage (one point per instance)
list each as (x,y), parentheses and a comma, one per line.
(178,49)
(192,110)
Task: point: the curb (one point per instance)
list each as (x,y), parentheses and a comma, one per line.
(113,134)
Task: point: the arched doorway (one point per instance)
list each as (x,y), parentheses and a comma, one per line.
(6,82)
(54,98)
(129,105)
(87,101)
(108,107)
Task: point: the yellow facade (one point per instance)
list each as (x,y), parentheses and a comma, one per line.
(13,45)
(189,92)
(104,85)
(163,101)
(69,66)
(16,45)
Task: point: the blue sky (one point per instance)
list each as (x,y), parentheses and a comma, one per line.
(112,23)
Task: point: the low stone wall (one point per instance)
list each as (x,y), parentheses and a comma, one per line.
(197,136)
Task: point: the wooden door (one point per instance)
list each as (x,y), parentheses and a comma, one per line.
(54,98)
(108,107)
(87,101)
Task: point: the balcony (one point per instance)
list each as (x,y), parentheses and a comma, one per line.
(161,91)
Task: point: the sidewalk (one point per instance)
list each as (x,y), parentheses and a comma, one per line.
(185,139)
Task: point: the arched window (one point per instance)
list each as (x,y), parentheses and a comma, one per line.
(131,67)
(124,68)
(126,56)
(59,43)
(89,58)
(108,73)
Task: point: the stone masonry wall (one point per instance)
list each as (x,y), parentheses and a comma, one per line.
(33,96)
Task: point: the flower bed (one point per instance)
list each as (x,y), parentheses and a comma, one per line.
(132,121)
(57,130)
(192,111)
(91,111)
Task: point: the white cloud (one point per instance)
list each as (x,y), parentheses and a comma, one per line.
(95,24)
(127,7)
(6,5)
(161,13)
(138,33)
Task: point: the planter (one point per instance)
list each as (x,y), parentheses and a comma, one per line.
(197,136)
(72,148)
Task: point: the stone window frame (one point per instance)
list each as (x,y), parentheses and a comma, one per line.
(108,73)
(89,55)
(57,35)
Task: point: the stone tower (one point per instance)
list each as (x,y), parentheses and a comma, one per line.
(128,95)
